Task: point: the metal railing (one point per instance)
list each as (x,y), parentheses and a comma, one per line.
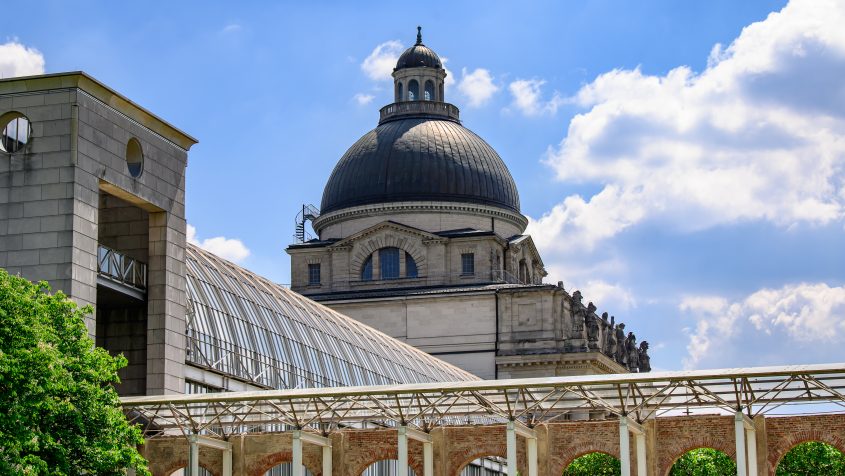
(419,107)
(118,267)
(355,283)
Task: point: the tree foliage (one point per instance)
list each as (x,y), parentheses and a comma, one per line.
(594,464)
(59,413)
(704,462)
(812,458)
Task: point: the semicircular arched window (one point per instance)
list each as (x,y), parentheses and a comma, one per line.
(367,269)
(398,92)
(411,270)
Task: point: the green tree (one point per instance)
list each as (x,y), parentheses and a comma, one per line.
(594,464)
(812,458)
(59,414)
(704,462)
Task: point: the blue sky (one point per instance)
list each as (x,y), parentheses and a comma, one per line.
(682,163)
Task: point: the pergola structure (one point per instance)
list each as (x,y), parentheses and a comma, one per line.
(521,405)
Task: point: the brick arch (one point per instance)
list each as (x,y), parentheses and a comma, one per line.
(469,456)
(268,462)
(574,453)
(365,447)
(792,440)
(729,450)
(182,464)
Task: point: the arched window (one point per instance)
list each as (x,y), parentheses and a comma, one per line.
(389,262)
(398,92)
(429,91)
(413,90)
(367,269)
(441,93)
(524,274)
(410,266)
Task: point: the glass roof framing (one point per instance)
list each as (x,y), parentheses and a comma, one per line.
(245,326)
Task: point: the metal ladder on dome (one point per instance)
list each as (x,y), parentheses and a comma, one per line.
(308,213)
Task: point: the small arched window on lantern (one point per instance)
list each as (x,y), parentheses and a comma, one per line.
(398,92)
(413,90)
(429,91)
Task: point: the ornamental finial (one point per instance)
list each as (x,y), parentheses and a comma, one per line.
(419,35)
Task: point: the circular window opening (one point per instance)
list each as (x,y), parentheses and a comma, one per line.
(15,134)
(134,157)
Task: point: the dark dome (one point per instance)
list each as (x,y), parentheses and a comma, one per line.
(418,55)
(420,159)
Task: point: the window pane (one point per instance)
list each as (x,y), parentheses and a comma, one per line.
(389,259)
(314,273)
(410,266)
(367,269)
(468,263)
(413,90)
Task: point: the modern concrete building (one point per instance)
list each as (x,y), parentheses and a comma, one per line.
(420,235)
(92,200)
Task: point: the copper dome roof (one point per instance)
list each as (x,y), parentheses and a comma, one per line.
(418,55)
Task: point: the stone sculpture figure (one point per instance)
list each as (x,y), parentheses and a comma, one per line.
(621,354)
(645,360)
(633,352)
(610,345)
(592,323)
(578,315)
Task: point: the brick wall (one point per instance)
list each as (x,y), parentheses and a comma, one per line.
(783,433)
(677,435)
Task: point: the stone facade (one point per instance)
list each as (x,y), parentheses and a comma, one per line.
(70,190)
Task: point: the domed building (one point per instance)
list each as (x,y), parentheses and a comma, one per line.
(420,235)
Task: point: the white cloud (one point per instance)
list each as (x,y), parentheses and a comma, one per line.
(363,99)
(758,135)
(19,60)
(528,97)
(231,28)
(450,78)
(477,86)
(379,65)
(607,296)
(231,249)
(809,315)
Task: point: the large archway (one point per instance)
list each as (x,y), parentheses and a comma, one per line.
(703,461)
(181,472)
(489,466)
(810,458)
(385,467)
(594,464)
(286,469)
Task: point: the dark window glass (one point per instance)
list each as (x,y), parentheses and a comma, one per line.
(413,90)
(429,91)
(314,273)
(410,266)
(367,269)
(398,92)
(468,263)
(389,260)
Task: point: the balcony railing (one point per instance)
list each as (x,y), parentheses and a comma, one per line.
(118,267)
(424,108)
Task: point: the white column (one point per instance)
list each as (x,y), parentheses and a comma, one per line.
(227,462)
(327,461)
(193,456)
(296,448)
(428,459)
(751,435)
(739,427)
(402,452)
(531,450)
(511,442)
(624,446)
(639,443)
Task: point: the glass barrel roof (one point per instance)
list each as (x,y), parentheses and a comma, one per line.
(243,325)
